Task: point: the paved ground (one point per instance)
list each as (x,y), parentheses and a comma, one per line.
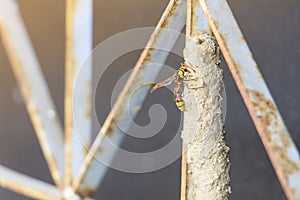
(272,29)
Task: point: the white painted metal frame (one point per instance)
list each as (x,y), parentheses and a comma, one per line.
(28,186)
(79,31)
(92,171)
(279,145)
(33,87)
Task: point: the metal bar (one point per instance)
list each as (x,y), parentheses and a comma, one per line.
(33,86)
(79,28)
(261,106)
(92,171)
(195,22)
(27,186)
(184,183)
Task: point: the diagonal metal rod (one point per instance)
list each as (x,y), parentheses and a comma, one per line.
(173,18)
(261,106)
(78,84)
(27,186)
(33,86)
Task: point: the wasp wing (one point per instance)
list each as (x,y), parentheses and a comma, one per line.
(163,83)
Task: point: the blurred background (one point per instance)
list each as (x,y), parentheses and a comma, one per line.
(272,30)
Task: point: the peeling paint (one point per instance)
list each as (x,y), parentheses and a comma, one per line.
(78,85)
(278,140)
(111,129)
(86,192)
(171,12)
(88,100)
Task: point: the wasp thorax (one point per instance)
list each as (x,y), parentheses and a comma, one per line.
(181,72)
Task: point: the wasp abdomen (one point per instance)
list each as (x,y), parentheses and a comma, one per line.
(180,104)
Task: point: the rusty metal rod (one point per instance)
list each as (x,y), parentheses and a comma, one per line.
(33,85)
(271,128)
(27,186)
(173,18)
(78,84)
(183,188)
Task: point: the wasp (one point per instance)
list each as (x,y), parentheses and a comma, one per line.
(180,77)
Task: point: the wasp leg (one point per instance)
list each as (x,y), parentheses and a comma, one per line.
(163,83)
(192,87)
(190,79)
